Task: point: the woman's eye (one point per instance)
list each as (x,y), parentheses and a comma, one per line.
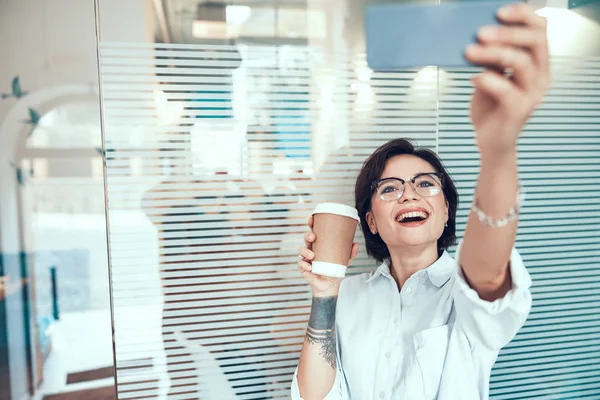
(388,189)
(425,184)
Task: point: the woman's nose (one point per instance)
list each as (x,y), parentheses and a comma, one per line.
(409,193)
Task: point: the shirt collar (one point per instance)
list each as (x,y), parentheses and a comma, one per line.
(384,269)
(439,272)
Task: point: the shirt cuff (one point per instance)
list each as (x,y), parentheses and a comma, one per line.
(334,394)
(516,298)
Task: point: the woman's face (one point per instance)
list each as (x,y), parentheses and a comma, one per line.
(384,215)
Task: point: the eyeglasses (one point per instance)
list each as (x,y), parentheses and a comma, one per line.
(426,184)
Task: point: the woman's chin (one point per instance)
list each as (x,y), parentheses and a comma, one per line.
(412,242)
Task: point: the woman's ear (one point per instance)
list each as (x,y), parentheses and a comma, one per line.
(446,212)
(371,222)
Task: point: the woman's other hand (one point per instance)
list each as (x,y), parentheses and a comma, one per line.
(321,285)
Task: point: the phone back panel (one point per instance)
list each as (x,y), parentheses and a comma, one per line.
(402,36)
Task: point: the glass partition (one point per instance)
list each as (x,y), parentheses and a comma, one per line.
(212,129)
(225,128)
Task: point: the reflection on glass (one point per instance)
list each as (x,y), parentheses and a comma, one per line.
(221,140)
(218,20)
(221,135)
(74,124)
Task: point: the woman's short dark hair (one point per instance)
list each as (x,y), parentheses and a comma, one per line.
(371,171)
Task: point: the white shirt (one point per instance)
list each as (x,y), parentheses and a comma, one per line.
(435,339)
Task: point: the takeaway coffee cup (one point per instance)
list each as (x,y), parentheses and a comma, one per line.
(335,226)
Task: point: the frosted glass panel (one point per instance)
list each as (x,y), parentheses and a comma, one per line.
(216,153)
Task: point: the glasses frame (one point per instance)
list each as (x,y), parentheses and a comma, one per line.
(439,175)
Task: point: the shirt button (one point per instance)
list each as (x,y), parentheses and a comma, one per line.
(381,395)
(396,320)
(388,354)
(408,290)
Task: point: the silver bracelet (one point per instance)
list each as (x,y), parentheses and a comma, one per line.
(513,213)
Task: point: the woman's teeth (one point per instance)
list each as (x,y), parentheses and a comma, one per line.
(410,215)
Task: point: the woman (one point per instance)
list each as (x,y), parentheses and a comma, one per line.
(423,326)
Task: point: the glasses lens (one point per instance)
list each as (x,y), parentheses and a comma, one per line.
(428,185)
(390,189)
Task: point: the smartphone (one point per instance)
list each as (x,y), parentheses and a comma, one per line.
(404,36)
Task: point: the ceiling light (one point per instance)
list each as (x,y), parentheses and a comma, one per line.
(237,15)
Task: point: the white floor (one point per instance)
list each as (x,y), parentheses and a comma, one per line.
(83,341)
(80,341)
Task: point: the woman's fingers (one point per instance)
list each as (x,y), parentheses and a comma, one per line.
(535,41)
(309,238)
(511,35)
(521,14)
(520,44)
(505,57)
(522,24)
(306,256)
(306,253)
(495,85)
(303,266)
(530,38)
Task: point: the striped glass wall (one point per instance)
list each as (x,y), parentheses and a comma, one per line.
(215,156)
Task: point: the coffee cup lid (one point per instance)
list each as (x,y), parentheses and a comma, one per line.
(336,208)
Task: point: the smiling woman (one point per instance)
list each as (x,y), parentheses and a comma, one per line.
(424,326)
(395,158)
(439,323)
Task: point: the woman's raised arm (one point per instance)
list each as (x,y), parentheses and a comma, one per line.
(500,107)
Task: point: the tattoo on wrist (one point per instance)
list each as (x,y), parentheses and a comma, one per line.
(321,327)
(326,342)
(322,313)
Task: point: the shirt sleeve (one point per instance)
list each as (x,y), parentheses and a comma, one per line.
(493,324)
(338,390)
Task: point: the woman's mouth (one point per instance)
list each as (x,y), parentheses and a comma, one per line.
(412,219)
